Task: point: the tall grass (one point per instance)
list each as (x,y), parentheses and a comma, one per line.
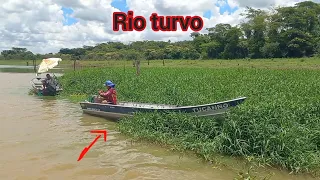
(278,124)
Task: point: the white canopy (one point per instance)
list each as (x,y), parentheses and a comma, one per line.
(47,64)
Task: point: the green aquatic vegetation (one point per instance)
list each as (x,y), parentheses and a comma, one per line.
(278,124)
(182,131)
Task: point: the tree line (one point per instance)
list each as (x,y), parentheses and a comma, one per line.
(283,32)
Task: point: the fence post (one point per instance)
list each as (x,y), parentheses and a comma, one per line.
(34,65)
(138,67)
(74,65)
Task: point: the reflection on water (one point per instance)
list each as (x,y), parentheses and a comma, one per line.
(41,138)
(19,70)
(25,69)
(16,67)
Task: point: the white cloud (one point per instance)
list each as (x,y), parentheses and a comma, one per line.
(183,7)
(38,25)
(255,3)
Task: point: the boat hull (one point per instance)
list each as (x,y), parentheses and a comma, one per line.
(115,112)
(40,92)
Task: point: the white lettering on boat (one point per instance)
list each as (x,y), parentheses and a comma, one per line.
(210,108)
(93,109)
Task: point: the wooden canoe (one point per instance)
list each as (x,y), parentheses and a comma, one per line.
(114,112)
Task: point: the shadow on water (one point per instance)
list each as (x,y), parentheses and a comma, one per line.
(87,120)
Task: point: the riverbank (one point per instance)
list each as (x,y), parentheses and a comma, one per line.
(277,125)
(284,63)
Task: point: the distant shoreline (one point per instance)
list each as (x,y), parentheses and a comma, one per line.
(280,63)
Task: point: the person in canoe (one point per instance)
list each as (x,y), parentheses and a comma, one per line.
(109,96)
(49,85)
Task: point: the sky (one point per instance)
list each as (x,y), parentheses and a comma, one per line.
(44,26)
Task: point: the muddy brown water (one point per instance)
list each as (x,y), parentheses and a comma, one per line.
(41,138)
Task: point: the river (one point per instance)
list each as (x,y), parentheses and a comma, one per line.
(41,138)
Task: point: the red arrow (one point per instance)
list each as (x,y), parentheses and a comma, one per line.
(101,131)
(86,149)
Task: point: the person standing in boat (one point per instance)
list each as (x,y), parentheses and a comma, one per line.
(109,97)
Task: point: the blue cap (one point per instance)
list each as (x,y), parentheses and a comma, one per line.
(109,83)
